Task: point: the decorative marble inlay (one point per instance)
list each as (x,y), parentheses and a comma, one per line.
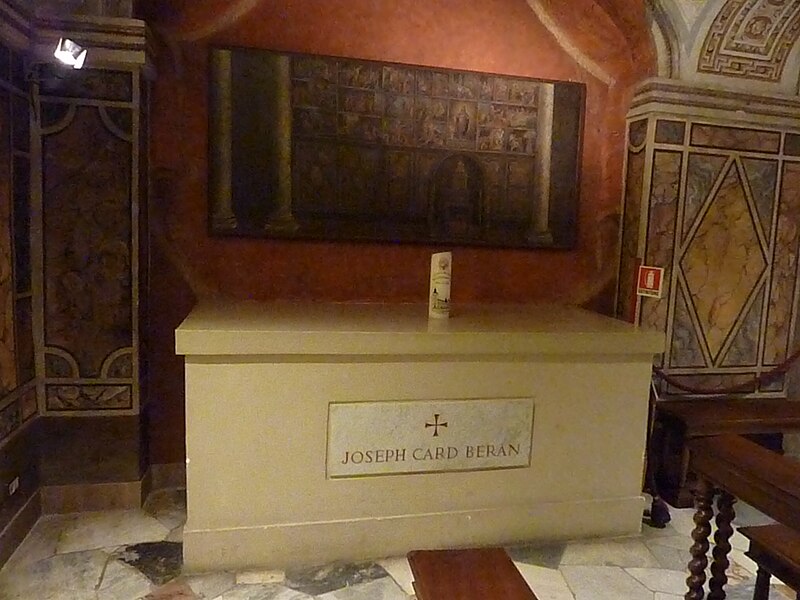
(670,132)
(88,397)
(8,366)
(685,350)
(23,327)
(630,239)
(93,83)
(762,175)
(784,270)
(10,420)
(751,39)
(637,132)
(744,348)
(791,145)
(703,172)
(28,403)
(87,237)
(713,381)
(723,261)
(60,365)
(736,138)
(660,230)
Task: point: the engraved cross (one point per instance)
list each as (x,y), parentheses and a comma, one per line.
(436,424)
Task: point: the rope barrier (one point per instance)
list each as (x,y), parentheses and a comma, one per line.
(747,386)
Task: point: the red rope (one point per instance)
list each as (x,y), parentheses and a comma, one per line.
(747,386)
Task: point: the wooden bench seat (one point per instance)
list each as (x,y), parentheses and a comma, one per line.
(776,551)
(472,574)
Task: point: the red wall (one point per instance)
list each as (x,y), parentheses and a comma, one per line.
(502,36)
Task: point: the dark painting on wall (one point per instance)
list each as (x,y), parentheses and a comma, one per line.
(314,147)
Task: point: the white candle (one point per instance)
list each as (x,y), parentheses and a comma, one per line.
(439,291)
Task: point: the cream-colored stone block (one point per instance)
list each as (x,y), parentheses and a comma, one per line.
(260,383)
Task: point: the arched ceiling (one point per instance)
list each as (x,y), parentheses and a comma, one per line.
(737,44)
(740,44)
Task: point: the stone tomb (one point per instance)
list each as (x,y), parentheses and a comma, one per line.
(322,432)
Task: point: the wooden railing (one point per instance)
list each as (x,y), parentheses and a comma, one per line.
(731,467)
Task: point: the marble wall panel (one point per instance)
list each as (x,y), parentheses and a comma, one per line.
(23,321)
(791,145)
(703,172)
(708,383)
(89,83)
(88,397)
(670,132)
(632,207)
(762,176)
(8,374)
(723,261)
(685,349)
(16,413)
(664,194)
(87,240)
(784,271)
(734,138)
(743,350)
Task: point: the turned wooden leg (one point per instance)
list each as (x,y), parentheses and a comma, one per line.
(722,546)
(704,496)
(762,585)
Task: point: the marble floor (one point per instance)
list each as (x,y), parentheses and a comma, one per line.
(136,555)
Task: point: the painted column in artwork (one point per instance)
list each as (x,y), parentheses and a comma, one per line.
(220,159)
(540,224)
(281,219)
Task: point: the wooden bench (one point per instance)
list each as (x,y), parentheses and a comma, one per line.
(680,421)
(776,551)
(473,574)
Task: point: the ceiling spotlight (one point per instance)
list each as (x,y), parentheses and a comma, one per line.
(70,53)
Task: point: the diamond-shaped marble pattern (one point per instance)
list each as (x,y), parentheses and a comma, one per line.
(723,261)
(704,170)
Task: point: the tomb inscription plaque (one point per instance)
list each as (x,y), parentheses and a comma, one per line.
(427,436)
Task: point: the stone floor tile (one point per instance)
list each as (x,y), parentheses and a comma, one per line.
(603,583)
(160,562)
(174,590)
(380,589)
(737,572)
(176,535)
(548,555)
(662,596)
(668,557)
(211,585)
(682,520)
(319,580)
(660,580)
(745,562)
(399,570)
(263,592)
(72,576)
(260,576)
(547,584)
(122,582)
(168,506)
(739,542)
(614,553)
(109,529)
(41,541)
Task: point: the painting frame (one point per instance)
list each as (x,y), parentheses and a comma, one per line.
(313,147)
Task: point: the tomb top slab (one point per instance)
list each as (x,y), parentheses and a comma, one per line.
(308,328)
